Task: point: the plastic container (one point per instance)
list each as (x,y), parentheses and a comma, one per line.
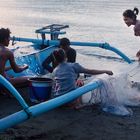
(40,89)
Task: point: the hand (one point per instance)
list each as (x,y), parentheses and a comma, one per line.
(25,66)
(109,72)
(8,68)
(79,82)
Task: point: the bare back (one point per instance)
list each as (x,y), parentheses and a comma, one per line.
(5,56)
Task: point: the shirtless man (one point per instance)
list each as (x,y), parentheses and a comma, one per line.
(5,55)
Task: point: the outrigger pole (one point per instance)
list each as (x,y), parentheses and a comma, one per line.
(88,44)
(41,108)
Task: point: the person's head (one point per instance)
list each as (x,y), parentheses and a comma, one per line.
(59,55)
(130,16)
(4,36)
(64,43)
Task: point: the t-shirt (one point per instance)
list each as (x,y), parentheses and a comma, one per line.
(65,75)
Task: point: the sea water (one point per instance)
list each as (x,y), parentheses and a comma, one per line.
(89,20)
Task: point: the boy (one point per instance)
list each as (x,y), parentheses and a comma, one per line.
(70,54)
(7,55)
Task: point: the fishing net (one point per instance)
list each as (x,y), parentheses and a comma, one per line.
(116,94)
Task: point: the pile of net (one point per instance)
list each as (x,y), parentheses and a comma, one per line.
(116,95)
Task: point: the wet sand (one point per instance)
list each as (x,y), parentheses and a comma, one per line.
(62,123)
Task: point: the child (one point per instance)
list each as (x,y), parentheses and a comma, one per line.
(65,74)
(70,53)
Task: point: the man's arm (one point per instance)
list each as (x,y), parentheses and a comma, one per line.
(80,69)
(96,72)
(13,64)
(46,63)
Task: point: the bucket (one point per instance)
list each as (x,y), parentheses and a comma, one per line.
(40,89)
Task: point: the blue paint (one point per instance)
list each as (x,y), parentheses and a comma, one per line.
(13,91)
(43,107)
(103,46)
(34,61)
(88,44)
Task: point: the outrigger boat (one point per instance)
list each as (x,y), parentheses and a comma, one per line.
(44,47)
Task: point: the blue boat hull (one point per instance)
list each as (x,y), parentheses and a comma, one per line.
(34,61)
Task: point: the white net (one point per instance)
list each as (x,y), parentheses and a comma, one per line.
(116,93)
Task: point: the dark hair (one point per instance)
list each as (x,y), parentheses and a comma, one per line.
(64,42)
(131,13)
(4,34)
(59,55)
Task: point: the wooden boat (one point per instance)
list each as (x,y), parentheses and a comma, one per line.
(35,60)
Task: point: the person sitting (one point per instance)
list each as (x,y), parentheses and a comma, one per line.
(70,54)
(65,74)
(7,55)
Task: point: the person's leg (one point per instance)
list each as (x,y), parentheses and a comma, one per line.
(19,81)
(16,82)
(77,103)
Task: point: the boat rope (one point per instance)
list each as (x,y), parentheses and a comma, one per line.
(28,112)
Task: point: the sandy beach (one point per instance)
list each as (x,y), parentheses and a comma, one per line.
(89,123)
